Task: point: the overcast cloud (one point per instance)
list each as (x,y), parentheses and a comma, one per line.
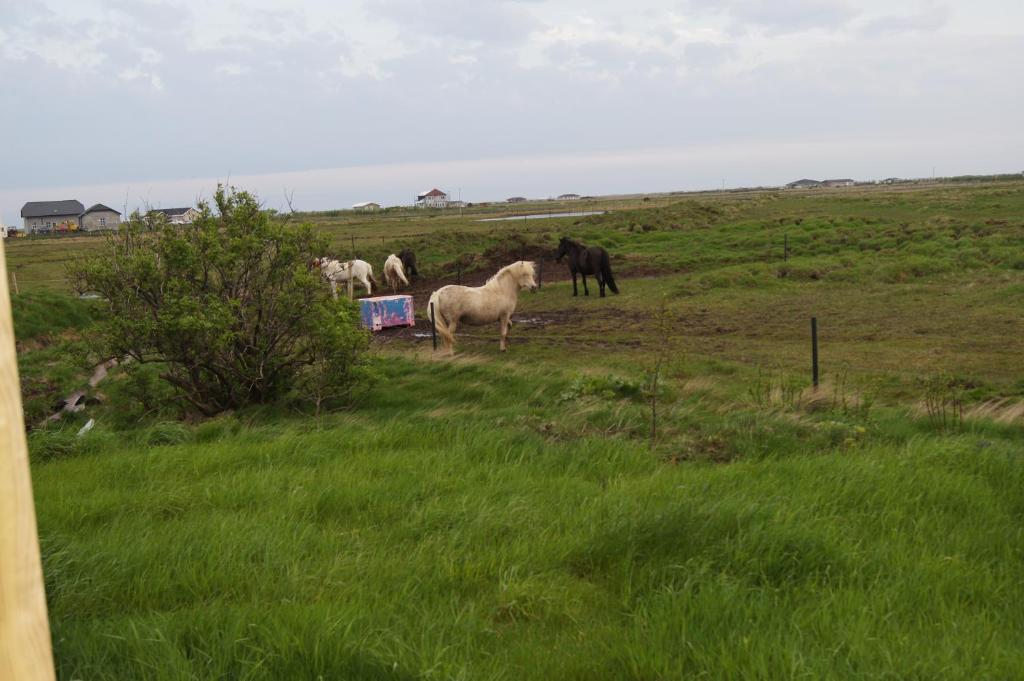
(353,101)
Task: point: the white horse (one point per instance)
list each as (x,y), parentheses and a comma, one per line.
(495,301)
(394,273)
(348,272)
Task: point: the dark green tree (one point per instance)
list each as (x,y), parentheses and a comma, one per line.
(228,306)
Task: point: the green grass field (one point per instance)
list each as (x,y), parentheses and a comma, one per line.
(510,516)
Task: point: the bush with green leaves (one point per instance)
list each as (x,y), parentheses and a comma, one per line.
(228,306)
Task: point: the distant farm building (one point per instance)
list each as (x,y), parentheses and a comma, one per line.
(568,197)
(366,205)
(516,199)
(803,184)
(434,198)
(178,216)
(845,182)
(98,217)
(48,216)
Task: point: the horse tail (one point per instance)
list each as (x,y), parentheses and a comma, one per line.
(369,275)
(435,315)
(400,270)
(606,272)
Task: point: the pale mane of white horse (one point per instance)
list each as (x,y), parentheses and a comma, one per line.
(495,301)
(394,273)
(348,272)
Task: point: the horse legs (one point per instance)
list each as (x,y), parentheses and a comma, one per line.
(449,337)
(574,291)
(506,326)
(586,291)
(334,289)
(600,283)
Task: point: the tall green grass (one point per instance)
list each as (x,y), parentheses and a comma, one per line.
(462,524)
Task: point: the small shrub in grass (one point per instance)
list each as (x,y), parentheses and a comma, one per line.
(216,428)
(167,433)
(608,387)
(943,400)
(228,306)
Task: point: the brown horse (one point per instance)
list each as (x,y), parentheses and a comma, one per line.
(587,260)
(408,259)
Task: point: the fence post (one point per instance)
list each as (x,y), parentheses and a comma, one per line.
(433,329)
(353,238)
(458,273)
(814,351)
(25,651)
(785,247)
(540,272)
(14,278)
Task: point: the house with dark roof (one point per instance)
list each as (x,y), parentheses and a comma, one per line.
(803,184)
(177,216)
(516,199)
(845,182)
(48,216)
(568,197)
(435,198)
(98,217)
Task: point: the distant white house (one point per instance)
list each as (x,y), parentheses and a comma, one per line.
(366,205)
(178,216)
(568,197)
(433,198)
(845,182)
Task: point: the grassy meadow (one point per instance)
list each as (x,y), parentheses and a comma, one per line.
(550,512)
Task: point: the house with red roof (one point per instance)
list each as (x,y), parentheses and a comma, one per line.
(435,198)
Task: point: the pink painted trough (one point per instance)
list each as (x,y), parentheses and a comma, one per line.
(384,311)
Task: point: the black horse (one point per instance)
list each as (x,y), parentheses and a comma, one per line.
(587,260)
(408,259)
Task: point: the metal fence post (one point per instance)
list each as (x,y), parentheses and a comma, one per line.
(433,328)
(814,350)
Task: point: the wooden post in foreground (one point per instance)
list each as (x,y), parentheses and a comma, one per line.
(25,652)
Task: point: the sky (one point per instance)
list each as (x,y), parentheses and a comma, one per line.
(133,103)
